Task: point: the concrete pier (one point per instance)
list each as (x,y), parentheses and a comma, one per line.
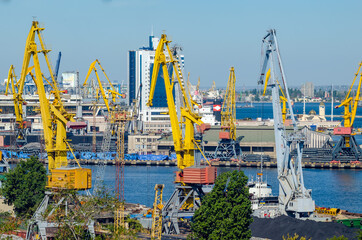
(171,163)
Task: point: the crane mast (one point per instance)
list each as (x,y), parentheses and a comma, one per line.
(294,199)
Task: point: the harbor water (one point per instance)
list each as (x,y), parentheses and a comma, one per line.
(340,188)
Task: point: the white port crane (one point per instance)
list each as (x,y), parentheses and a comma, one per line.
(294,199)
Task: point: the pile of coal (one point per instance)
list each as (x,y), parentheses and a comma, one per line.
(276,228)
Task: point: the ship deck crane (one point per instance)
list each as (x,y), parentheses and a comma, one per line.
(347,144)
(294,199)
(186,197)
(229,145)
(54,120)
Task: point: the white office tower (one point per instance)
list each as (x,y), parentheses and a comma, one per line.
(140,66)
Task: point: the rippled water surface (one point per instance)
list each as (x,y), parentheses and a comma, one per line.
(330,188)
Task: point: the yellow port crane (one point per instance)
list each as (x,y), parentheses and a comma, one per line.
(229,145)
(17,92)
(112,91)
(54,116)
(54,120)
(111,124)
(184,146)
(228,112)
(156,229)
(347,144)
(186,197)
(283,98)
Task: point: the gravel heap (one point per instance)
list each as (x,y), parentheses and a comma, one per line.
(276,228)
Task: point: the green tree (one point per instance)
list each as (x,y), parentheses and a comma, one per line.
(338,238)
(24,186)
(225,213)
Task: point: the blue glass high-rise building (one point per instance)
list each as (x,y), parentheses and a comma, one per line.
(140,66)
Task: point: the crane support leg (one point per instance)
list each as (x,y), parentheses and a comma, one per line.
(347,146)
(228,149)
(183,203)
(39,225)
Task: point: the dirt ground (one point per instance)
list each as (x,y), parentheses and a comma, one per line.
(6,208)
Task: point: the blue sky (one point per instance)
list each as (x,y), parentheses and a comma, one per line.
(320,41)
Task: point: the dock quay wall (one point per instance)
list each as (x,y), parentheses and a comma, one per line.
(272,164)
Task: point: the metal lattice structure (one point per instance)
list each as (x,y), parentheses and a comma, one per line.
(229,145)
(156,230)
(111,105)
(94,133)
(183,203)
(119,186)
(39,223)
(294,199)
(106,144)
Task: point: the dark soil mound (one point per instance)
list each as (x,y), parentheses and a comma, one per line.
(278,227)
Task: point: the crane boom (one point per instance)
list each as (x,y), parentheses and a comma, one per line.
(347,144)
(111,91)
(350,105)
(92,67)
